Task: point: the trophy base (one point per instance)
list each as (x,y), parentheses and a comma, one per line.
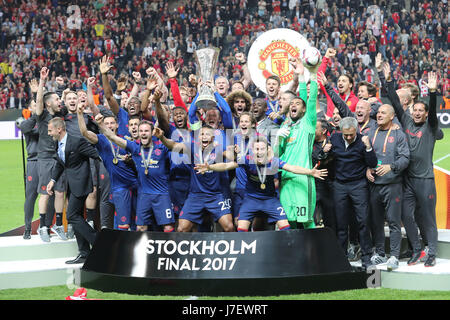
(205,102)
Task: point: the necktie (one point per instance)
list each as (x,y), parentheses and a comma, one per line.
(61,152)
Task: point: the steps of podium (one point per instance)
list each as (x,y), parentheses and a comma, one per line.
(419,277)
(33,263)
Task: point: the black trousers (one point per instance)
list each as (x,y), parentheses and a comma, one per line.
(386,204)
(324,203)
(353,195)
(423,192)
(84,234)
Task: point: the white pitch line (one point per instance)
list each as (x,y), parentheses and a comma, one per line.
(444,157)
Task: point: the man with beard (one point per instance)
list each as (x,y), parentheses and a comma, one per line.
(385,188)
(152,163)
(260,195)
(179,175)
(205,191)
(264,125)
(294,145)
(345,85)
(239,101)
(362,109)
(122,176)
(48,106)
(421,128)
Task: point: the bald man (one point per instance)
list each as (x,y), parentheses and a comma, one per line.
(385,185)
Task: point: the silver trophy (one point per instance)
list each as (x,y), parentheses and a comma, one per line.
(206,67)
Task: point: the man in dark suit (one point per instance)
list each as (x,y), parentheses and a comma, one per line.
(73,157)
(353,154)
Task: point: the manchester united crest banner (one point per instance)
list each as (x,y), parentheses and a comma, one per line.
(270,54)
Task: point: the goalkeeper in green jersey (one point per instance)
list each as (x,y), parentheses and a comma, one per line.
(295,141)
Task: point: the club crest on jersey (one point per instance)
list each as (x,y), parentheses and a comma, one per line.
(290,139)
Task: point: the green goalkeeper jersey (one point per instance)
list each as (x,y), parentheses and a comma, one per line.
(297,193)
(296,148)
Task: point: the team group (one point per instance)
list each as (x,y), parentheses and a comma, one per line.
(247,164)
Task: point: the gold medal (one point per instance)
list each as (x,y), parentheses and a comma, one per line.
(263,186)
(115,161)
(146,171)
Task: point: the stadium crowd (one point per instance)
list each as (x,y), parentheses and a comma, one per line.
(167,162)
(410,34)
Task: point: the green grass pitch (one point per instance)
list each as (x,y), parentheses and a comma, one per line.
(11,216)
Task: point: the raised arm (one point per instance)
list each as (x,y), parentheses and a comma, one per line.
(161,114)
(40,93)
(172,73)
(311,103)
(89,135)
(392,93)
(161,85)
(194,121)
(331,53)
(105,66)
(298,82)
(432,87)
(90,97)
(146,100)
(246,79)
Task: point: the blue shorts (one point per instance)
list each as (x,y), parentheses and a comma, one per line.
(123,203)
(178,190)
(154,205)
(238,198)
(216,204)
(271,208)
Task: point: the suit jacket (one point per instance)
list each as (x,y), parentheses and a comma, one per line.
(78,172)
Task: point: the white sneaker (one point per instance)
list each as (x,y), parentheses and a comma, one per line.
(377,259)
(43,233)
(59,230)
(392,263)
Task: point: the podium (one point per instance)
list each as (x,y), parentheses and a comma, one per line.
(219,264)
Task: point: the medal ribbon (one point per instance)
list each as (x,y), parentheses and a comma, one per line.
(385,139)
(146,161)
(261,177)
(114,151)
